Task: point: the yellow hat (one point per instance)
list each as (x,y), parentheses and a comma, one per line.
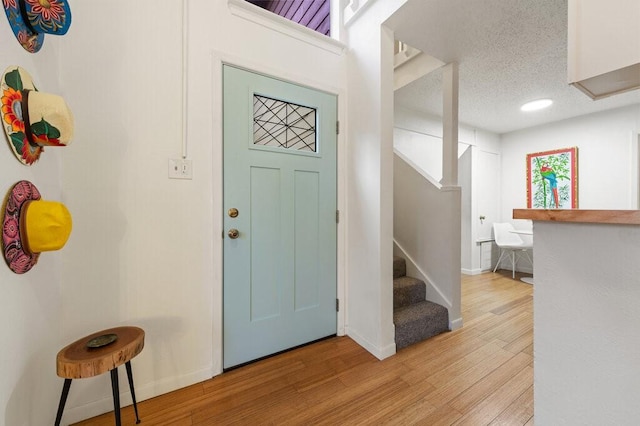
(46,226)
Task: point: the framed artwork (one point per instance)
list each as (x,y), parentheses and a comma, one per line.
(552,179)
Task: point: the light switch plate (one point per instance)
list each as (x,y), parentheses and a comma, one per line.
(180,168)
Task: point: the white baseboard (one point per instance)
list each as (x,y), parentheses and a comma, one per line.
(379,352)
(147,391)
(476,271)
(455,324)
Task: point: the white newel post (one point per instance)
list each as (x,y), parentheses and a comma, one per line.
(450,125)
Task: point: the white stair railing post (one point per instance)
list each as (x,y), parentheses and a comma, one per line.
(450,125)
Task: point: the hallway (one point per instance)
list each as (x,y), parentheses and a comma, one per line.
(481,374)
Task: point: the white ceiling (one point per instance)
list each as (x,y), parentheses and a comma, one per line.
(509,52)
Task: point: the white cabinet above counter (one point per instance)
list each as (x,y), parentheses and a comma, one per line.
(604,46)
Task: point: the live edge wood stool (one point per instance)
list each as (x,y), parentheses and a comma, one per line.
(98,353)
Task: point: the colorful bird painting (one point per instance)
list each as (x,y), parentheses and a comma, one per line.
(548,174)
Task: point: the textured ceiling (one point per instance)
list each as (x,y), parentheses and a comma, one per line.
(509,52)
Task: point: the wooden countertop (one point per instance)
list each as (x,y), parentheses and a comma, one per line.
(620,217)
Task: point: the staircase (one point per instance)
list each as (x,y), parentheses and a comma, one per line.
(416,319)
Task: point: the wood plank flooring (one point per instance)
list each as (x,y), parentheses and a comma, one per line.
(481,374)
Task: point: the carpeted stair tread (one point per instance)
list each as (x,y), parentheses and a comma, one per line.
(415,318)
(418,322)
(399,267)
(408,290)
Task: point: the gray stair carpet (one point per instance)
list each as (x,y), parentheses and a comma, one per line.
(415,318)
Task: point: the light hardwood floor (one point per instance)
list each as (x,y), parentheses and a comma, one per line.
(481,374)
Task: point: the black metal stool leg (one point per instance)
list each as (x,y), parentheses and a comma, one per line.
(116,395)
(63,400)
(133,392)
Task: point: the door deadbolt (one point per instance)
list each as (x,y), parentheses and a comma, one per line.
(233,233)
(233,212)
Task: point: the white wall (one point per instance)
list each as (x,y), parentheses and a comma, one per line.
(424,124)
(486,195)
(370,179)
(586,322)
(425,151)
(142,252)
(426,217)
(418,136)
(145,250)
(31,305)
(465,180)
(607,159)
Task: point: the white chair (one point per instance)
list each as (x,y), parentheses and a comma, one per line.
(510,243)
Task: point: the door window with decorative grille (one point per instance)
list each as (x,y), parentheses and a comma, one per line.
(282,124)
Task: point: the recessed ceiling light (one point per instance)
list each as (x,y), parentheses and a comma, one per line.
(536,105)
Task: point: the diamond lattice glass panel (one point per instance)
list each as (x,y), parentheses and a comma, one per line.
(283,124)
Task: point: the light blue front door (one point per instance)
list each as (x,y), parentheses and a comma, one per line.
(280,177)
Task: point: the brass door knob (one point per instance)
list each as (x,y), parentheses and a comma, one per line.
(233,233)
(233,212)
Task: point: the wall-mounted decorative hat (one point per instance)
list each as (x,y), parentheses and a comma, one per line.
(30,20)
(32,119)
(31,225)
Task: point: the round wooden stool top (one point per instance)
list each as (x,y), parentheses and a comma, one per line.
(77,360)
